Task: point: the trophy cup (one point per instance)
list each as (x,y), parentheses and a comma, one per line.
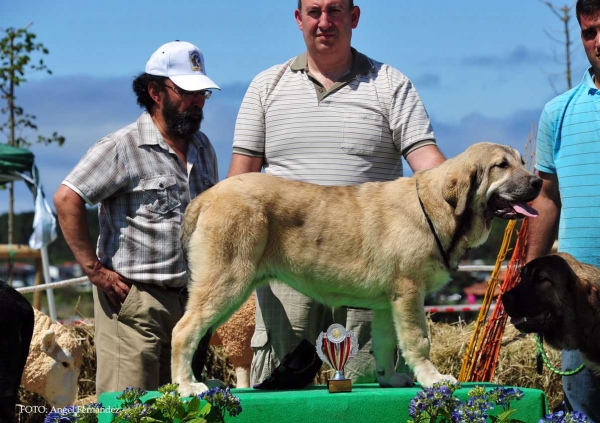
(335,347)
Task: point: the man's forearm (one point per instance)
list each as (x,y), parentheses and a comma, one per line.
(542,230)
(425,157)
(244,164)
(72,217)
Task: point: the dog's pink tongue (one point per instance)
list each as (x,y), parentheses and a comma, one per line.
(525,209)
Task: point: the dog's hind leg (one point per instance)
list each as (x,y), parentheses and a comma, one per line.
(411,328)
(207,308)
(384,345)
(199,358)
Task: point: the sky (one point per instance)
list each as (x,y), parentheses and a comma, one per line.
(484,70)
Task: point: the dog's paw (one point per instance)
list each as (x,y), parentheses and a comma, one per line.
(194,388)
(427,379)
(396,380)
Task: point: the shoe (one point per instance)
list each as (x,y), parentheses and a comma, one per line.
(297,369)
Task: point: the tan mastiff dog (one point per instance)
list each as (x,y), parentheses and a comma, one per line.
(378,245)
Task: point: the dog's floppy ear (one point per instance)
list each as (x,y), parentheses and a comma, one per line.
(457,188)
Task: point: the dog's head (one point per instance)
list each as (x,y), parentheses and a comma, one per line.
(491,177)
(544,302)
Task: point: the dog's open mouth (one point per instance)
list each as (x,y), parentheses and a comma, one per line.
(532,324)
(506,209)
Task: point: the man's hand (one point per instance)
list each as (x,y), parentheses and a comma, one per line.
(111,283)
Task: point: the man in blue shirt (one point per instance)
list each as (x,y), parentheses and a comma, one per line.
(568,160)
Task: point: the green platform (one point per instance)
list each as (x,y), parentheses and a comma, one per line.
(366,403)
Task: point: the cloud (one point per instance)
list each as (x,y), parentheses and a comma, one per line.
(513,130)
(521,55)
(426,80)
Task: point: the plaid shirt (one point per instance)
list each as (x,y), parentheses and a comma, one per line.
(143,190)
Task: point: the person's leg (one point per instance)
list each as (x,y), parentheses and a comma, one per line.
(129,339)
(361,369)
(166,307)
(582,391)
(284,317)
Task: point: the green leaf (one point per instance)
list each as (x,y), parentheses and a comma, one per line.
(180,413)
(504,416)
(214,415)
(204,411)
(194,404)
(446,414)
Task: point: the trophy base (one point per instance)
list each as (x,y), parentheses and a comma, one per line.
(336,386)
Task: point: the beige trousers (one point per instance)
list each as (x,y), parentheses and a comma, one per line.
(133,341)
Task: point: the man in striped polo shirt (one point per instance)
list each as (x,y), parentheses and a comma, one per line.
(568,160)
(331,116)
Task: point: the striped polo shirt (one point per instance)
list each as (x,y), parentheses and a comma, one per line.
(568,145)
(143,190)
(355,132)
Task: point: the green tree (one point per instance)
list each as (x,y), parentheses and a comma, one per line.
(16,50)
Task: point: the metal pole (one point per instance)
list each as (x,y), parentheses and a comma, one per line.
(48,280)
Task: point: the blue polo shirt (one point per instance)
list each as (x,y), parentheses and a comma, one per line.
(568,145)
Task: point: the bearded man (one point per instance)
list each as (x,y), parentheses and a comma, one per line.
(142,177)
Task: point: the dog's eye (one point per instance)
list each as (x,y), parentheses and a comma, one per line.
(503,164)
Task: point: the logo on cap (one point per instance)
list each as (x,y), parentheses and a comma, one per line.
(195,61)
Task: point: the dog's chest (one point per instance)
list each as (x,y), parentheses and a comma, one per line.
(438,279)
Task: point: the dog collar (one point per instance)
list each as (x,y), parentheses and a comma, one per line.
(435,235)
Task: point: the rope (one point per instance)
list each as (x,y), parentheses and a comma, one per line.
(540,350)
(53,285)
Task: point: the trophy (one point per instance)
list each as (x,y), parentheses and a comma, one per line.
(335,347)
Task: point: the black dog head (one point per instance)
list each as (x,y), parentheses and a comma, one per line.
(543,302)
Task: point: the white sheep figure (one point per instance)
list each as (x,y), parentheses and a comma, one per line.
(52,368)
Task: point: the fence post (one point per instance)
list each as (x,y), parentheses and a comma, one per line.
(38,280)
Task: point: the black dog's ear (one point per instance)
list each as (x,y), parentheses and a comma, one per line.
(548,267)
(458,187)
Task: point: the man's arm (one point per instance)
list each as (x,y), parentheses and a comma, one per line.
(542,230)
(244,164)
(72,217)
(425,157)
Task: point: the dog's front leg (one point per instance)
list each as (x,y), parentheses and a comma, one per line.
(384,346)
(409,319)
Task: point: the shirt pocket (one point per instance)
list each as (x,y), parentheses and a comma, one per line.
(363,133)
(161,194)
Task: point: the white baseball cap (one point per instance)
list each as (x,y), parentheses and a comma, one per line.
(183,63)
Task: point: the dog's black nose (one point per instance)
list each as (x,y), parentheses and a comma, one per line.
(536,182)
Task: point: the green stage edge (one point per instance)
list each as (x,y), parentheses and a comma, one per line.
(366,403)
